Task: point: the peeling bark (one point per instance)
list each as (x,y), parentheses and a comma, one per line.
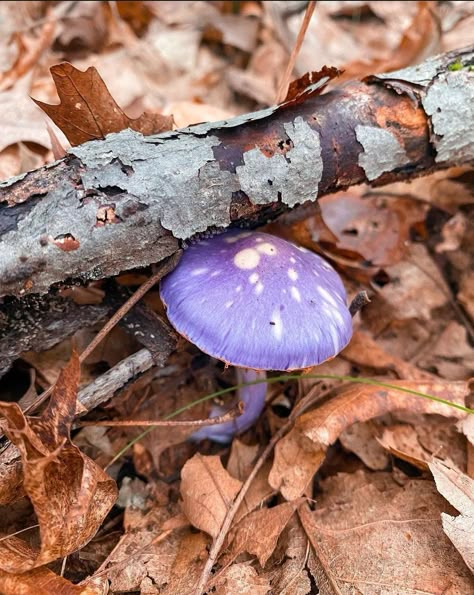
(128,200)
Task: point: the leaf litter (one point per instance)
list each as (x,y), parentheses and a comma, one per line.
(369,489)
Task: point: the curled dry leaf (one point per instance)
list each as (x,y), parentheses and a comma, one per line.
(70,494)
(417,443)
(301,452)
(39,581)
(87,110)
(370,535)
(311,83)
(207,490)
(458,489)
(11,475)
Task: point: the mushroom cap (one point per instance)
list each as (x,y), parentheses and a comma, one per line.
(257,301)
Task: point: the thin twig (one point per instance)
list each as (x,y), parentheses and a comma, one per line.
(296,49)
(229,416)
(163,269)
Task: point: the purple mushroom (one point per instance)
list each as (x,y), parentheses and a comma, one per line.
(260,303)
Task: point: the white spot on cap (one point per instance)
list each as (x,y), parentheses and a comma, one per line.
(327,296)
(201,271)
(258,240)
(295,294)
(326,265)
(335,339)
(267,248)
(229,303)
(259,288)
(337,317)
(301,249)
(246,259)
(240,236)
(293,260)
(238,289)
(232,239)
(215,274)
(292,274)
(253,278)
(277,324)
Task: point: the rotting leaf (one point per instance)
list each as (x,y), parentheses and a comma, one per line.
(301,452)
(87,111)
(70,494)
(458,489)
(207,490)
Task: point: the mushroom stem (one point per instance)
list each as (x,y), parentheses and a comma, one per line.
(253,398)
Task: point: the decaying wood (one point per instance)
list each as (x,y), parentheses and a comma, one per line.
(128,201)
(37,323)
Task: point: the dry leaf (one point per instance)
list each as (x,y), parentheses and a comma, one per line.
(290,576)
(466,293)
(87,111)
(20,119)
(458,489)
(30,48)
(372,536)
(451,355)
(310,84)
(259,531)
(147,551)
(11,475)
(364,351)
(360,438)
(242,579)
(376,226)
(420,40)
(418,443)
(300,453)
(414,290)
(39,581)
(187,565)
(71,495)
(241,460)
(207,490)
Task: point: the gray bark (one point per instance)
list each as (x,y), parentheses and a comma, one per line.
(127,201)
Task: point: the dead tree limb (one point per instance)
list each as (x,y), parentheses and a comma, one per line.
(128,200)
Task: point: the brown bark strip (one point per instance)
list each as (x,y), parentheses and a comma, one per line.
(128,200)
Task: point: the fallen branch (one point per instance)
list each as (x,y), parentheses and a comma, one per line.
(126,201)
